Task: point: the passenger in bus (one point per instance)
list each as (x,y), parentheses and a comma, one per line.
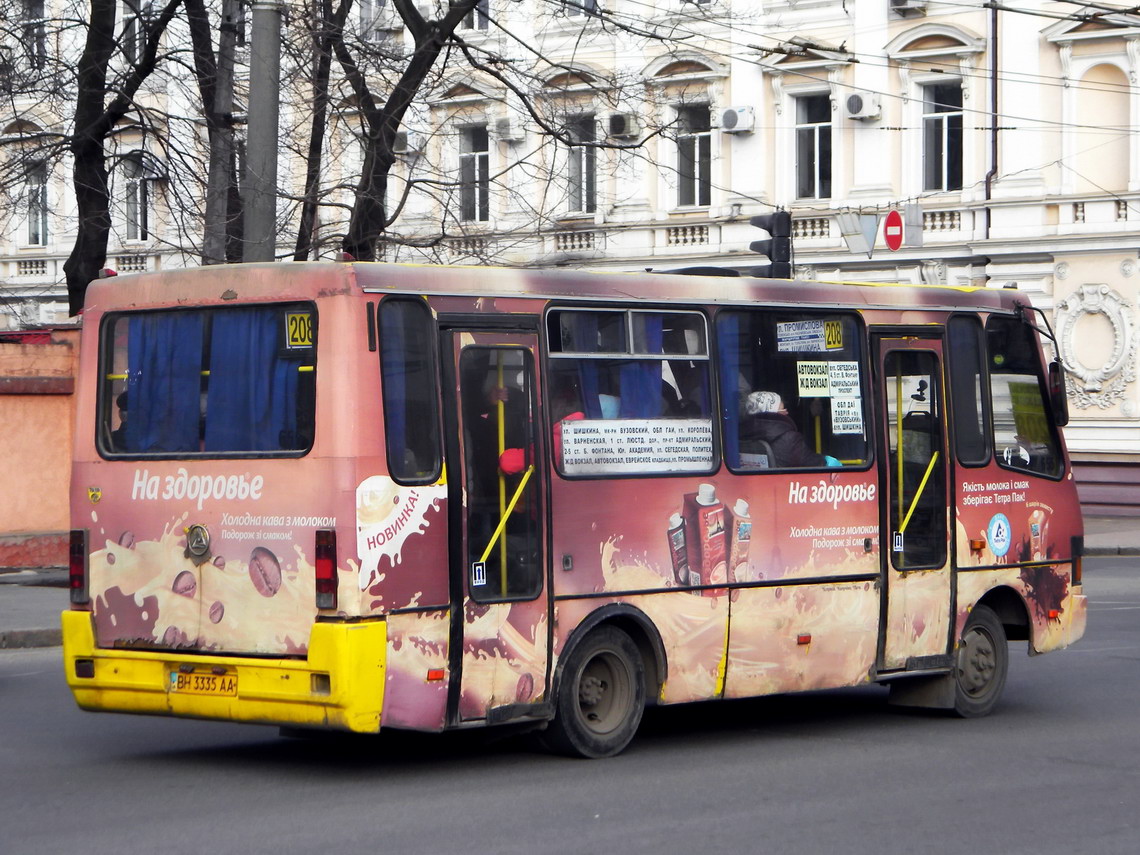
(565,406)
(119,434)
(765,419)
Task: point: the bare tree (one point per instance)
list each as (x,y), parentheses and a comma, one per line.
(94,120)
(357,83)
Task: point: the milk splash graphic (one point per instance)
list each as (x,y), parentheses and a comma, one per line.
(386,515)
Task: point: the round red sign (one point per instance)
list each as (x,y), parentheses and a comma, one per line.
(893,230)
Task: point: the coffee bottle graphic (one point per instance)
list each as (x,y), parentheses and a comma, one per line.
(706,539)
(677,551)
(740,536)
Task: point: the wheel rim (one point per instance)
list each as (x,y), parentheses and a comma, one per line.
(605,692)
(977,662)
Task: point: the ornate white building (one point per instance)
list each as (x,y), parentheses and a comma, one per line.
(1006,138)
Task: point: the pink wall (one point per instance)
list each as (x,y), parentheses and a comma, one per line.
(37,418)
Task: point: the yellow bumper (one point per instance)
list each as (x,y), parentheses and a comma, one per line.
(340,684)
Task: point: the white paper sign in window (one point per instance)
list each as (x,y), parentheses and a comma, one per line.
(613,446)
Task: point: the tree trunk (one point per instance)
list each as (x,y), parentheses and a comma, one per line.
(216,86)
(326,21)
(89,254)
(369,211)
(94,120)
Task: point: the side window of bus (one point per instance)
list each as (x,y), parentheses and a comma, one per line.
(209,381)
(791,390)
(407,372)
(629,391)
(966,354)
(1024,435)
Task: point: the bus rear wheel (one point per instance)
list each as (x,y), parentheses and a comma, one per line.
(601,696)
(982,664)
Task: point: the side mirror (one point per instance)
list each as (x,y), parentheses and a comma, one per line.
(1058,400)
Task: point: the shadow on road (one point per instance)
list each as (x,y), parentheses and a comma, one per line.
(692,726)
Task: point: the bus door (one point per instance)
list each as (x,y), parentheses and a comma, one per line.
(500,608)
(917,580)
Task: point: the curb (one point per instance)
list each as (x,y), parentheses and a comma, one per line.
(15,639)
(1110,551)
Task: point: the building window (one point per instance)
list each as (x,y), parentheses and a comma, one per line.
(37,204)
(474,175)
(583,166)
(942,137)
(478,18)
(35,33)
(813,147)
(574,8)
(137,201)
(694,155)
(135,17)
(371,22)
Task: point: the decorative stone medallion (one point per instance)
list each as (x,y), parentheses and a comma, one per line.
(1102,385)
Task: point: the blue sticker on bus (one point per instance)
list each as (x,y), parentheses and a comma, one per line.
(998,534)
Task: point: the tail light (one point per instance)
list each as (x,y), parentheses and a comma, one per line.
(77,568)
(326,569)
(1078,555)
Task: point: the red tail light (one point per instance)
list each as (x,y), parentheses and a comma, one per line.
(326,569)
(77,568)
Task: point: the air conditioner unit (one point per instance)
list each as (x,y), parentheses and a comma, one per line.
(508,131)
(408,142)
(906,8)
(737,120)
(863,106)
(624,126)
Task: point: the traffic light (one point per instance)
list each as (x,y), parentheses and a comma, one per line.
(778,247)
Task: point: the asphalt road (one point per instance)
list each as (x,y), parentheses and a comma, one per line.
(1055,770)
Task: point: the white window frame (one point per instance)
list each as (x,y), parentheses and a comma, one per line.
(580,8)
(691,187)
(815,128)
(34,30)
(479,18)
(475,174)
(136,200)
(942,119)
(36,200)
(582,166)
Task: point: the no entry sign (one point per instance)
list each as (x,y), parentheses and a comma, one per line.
(893,230)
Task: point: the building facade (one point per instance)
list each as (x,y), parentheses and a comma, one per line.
(624,135)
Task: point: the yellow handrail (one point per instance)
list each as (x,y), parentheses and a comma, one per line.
(918,492)
(503,521)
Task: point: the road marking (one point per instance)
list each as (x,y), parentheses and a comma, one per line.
(1086,649)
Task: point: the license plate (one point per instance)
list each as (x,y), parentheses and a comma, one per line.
(221,685)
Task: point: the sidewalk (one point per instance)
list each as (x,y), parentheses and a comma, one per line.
(29,612)
(31,600)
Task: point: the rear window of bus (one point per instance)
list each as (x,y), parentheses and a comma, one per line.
(232,381)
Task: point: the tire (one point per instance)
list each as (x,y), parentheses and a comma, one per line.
(982,661)
(601,697)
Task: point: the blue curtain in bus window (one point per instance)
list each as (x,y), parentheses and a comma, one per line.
(164,355)
(641,396)
(252,401)
(393,350)
(586,331)
(728,346)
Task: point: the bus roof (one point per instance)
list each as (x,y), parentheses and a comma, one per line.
(220,284)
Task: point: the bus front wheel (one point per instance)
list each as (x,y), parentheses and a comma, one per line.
(982,663)
(600,698)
